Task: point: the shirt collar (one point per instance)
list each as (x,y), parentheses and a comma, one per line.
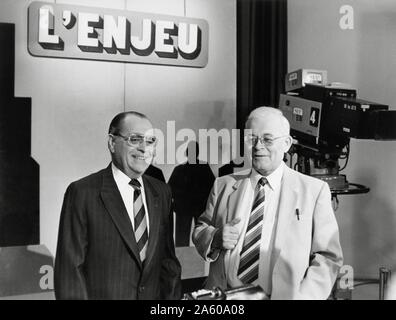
(121,178)
(274,179)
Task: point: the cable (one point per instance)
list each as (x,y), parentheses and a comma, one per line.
(124,86)
(336,202)
(346,157)
(291,160)
(365,283)
(125,8)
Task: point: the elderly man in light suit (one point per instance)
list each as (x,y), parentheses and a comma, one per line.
(270,225)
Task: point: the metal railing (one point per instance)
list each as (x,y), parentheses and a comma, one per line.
(382,282)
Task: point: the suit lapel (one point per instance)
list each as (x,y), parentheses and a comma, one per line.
(237,195)
(115,207)
(238,199)
(152,200)
(286,211)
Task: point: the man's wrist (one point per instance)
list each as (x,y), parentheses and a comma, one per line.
(214,249)
(216,242)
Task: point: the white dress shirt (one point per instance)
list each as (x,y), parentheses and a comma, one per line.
(127,193)
(271,205)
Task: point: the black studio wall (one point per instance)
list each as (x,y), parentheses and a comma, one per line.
(19,173)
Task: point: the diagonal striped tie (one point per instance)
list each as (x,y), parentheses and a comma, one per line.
(250,253)
(141,234)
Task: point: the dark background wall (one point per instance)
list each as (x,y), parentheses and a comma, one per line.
(19,173)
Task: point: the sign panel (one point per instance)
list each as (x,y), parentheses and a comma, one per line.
(66,31)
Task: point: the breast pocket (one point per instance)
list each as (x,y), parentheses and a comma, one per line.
(301,228)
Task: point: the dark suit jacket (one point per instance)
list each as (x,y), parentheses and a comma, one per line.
(97,255)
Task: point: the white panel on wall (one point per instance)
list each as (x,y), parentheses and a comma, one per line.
(73,101)
(72,104)
(170,7)
(195,98)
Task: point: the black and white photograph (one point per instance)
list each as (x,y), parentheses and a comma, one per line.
(197,150)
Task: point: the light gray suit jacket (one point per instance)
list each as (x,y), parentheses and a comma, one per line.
(307,253)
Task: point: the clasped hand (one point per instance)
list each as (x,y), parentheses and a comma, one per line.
(226,237)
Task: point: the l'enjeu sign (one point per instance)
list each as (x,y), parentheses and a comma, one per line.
(66,31)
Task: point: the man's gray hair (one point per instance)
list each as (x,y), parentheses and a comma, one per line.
(263,112)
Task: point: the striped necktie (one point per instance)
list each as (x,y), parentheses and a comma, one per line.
(250,253)
(141,234)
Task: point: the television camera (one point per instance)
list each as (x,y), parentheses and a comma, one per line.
(323,118)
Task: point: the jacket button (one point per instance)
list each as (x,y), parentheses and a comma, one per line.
(141,289)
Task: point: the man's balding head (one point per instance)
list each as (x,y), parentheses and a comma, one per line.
(265,112)
(268,139)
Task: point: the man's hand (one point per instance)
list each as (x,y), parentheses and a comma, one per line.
(227,236)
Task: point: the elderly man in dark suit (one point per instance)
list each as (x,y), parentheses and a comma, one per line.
(115,236)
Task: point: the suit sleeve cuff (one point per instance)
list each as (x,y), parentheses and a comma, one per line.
(212,254)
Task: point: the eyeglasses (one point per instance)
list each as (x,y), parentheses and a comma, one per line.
(135,140)
(252,140)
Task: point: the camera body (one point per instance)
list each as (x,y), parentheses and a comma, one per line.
(324,117)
